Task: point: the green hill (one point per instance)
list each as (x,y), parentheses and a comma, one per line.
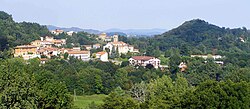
(13,33)
(198,36)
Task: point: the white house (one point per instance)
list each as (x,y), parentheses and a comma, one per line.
(144,61)
(103,56)
(83,55)
(122,47)
(208,56)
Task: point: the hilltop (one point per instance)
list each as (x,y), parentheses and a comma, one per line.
(13,33)
(202,37)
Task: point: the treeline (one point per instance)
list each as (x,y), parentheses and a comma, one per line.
(165,93)
(13,33)
(29,83)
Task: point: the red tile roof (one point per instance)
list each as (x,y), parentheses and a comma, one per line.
(144,58)
(101,53)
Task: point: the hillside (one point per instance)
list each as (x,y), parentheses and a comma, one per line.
(13,33)
(198,36)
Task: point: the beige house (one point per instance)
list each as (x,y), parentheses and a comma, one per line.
(48,42)
(26,52)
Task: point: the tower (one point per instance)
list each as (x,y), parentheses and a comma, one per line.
(115,38)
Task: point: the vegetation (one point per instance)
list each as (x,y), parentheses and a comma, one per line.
(88,100)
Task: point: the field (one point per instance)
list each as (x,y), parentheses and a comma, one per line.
(83,101)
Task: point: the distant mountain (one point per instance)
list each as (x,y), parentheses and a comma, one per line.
(123,32)
(138,32)
(200,36)
(76,29)
(118,33)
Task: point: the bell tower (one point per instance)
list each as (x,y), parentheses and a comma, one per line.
(115,38)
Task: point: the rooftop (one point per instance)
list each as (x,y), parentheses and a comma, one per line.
(144,58)
(78,52)
(26,46)
(101,53)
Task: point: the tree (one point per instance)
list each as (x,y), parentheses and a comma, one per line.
(17,86)
(66,55)
(119,100)
(213,94)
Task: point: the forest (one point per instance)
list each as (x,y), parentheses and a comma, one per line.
(204,84)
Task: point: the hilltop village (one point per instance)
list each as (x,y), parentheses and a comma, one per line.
(49,48)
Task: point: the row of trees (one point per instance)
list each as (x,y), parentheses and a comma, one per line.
(165,93)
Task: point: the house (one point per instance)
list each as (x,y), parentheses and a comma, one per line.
(43,60)
(36,43)
(83,55)
(48,42)
(49,51)
(96,46)
(70,33)
(26,52)
(144,61)
(57,31)
(76,48)
(103,56)
(122,47)
(59,42)
(102,36)
(182,66)
(88,47)
(208,56)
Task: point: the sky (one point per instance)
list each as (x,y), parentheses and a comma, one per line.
(128,14)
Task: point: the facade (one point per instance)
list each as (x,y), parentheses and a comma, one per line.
(49,52)
(96,46)
(26,52)
(88,47)
(57,31)
(144,61)
(83,55)
(182,66)
(70,33)
(208,56)
(102,36)
(122,47)
(48,42)
(103,56)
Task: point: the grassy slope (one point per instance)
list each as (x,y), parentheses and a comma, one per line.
(83,101)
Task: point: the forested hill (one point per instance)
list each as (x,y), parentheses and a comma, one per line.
(198,36)
(13,33)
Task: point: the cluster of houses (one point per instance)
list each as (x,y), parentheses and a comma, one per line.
(58,31)
(122,47)
(48,47)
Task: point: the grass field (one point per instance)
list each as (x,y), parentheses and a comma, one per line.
(83,101)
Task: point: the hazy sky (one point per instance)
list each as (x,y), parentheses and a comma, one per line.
(105,14)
